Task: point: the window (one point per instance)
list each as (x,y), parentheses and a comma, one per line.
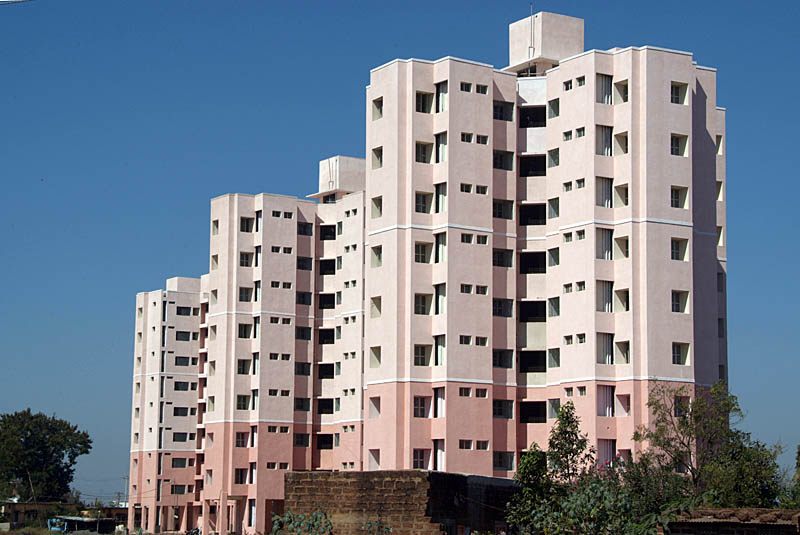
(604,242)
(580,132)
(302,404)
(680,354)
(375,357)
(567,237)
(720,189)
(605,401)
(552,208)
(243,367)
(422,253)
(439,348)
(502,209)
(581,338)
(552,158)
(420,459)
(554,358)
(303,333)
(466,288)
(441,147)
(553,108)
(481,140)
(581,81)
(241,440)
(377,157)
(422,304)
(481,289)
(246,224)
(481,239)
(621,92)
(678,196)
(678,249)
(532,214)
(603,190)
(303,298)
(720,237)
(553,257)
(422,355)
(423,202)
(304,263)
(503,160)
(302,440)
(377,108)
(605,294)
(680,301)
(375,307)
(375,407)
(464,444)
(567,85)
(440,298)
(502,358)
(421,405)
(376,256)
(481,89)
(622,353)
(502,258)
(718,143)
(603,140)
(242,402)
(678,93)
(503,111)
(553,407)
(604,89)
(466,137)
(424,151)
(466,87)
(605,348)
(440,197)
(424,102)
(678,145)
(181,361)
(502,308)
(215,227)
(245,259)
(301,368)
(553,307)
(465,340)
(464,392)
(466,188)
(441,97)
(503,408)
(532,117)
(245,295)
(567,136)
(440,247)
(621,144)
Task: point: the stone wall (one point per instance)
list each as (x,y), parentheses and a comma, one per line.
(409,501)
(738,522)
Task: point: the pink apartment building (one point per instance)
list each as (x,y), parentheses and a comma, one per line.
(515,239)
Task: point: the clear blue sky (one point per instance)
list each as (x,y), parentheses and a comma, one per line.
(120,120)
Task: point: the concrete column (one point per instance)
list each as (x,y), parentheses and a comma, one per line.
(131,516)
(205,527)
(185,510)
(222,515)
(236,525)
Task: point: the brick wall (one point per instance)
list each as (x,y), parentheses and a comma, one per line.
(409,501)
(738,522)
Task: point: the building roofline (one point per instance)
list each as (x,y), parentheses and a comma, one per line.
(621,50)
(433,62)
(263,195)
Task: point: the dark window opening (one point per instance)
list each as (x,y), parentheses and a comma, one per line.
(532,117)
(532,263)
(532,165)
(325,371)
(327,267)
(327,232)
(532,311)
(325,406)
(326,336)
(533,412)
(532,214)
(325,442)
(532,361)
(326,301)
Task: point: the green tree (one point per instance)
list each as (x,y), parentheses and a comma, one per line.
(724,465)
(687,434)
(38,454)
(544,476)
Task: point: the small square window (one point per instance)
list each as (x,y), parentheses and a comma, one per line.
(466,137)
(466,87)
